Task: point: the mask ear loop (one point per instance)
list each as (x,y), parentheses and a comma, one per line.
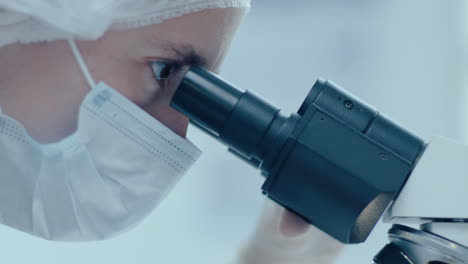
(81,63)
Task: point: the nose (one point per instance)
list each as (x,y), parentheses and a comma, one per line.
(172,119)
(179,124)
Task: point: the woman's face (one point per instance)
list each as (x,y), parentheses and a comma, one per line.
(42,86)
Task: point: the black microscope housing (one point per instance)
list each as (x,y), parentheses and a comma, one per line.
(337,162)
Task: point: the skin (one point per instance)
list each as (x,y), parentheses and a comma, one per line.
(41,78)
(42,88)
(271,245)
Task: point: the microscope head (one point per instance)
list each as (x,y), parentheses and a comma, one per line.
(337,161)
(339,164)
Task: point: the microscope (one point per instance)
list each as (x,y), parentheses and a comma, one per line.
(342,166)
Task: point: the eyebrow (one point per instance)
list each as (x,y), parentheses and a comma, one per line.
(186,54)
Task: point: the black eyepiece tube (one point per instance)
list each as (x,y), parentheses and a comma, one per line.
(337,162)
(226,113)
(200,98)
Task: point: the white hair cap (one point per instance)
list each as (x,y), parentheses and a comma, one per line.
(28,21)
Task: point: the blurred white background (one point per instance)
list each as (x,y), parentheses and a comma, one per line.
(407,58)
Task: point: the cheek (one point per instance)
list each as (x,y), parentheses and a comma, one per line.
(136,82)
(142,89)
(156,101)
(133,78)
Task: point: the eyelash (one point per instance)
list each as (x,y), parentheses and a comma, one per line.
(163,70)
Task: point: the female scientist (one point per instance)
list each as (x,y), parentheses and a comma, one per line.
(89,145)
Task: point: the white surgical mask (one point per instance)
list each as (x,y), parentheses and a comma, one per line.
(100,181)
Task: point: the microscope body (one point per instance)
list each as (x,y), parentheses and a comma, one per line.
(337,162)
(341,165)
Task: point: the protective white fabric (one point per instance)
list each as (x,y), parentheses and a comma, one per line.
(96,183)
(28,21)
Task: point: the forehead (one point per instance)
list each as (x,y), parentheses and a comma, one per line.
(206,33)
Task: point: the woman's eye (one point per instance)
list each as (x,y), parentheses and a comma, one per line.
(164,70)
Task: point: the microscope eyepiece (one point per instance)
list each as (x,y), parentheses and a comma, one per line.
(199,97)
